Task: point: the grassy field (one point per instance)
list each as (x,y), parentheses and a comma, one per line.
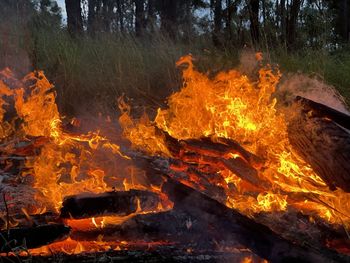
(91,73)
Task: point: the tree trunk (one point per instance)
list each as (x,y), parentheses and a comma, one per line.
(107,14)
(254,21)
(74,18)
(168,16)
(231,8)
(283,21)
(344,20)
(92,6)
(139,17)
(120,15)
(292,23)
(151,17)
(188,21)
(263,3)
(217,7)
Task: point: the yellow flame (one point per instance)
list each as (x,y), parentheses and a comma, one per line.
(230,105)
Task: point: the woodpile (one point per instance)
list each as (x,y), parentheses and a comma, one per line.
(319,135)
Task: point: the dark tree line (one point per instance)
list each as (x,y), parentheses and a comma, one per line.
(258,22)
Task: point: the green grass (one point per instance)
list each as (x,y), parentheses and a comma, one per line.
(91,73)
(334,68)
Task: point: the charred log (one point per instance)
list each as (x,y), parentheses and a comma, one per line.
(237,165)
(325,146)
(32,237)
(119,203)
(163,254)
(221,154)
(320,110)
(223,148)
(257,237)
(206,146)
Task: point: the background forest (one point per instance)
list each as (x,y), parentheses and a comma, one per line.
(96,50)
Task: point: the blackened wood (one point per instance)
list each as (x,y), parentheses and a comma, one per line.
(321,110)
(32,237)
(325,146)
(163,254)
(257,237)
(119,203)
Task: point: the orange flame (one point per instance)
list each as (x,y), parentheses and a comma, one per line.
(232,106)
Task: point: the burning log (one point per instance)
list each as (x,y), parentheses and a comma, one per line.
(220,148)
(228,222)
(32,237)
(323,144)
(224,153)
(223,148)
(119,203)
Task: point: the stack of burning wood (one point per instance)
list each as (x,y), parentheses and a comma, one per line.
(199,219)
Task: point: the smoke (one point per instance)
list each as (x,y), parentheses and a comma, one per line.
(297,84)
(15,35)
(248,62)
(311,88)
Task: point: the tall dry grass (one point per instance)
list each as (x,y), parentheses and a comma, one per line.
(91,72)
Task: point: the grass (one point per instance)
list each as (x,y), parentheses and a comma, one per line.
(91,73)
(333,68)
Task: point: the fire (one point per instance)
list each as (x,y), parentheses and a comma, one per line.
(63,163)
(229,106)
(232,106)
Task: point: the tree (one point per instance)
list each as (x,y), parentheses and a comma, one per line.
(291,25)
(168,17)
(140,20)
(74,17)
(253,7)
(217,10)
(342,21)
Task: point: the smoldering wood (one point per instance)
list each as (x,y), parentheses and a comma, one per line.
(325,146)
(321,110)
(172,227)
(222,149)
(260,239)
(164,254)
(205,146)
(257,237)
(32,237)
(119,203)
(28,221)
(216,154)
(237,165)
